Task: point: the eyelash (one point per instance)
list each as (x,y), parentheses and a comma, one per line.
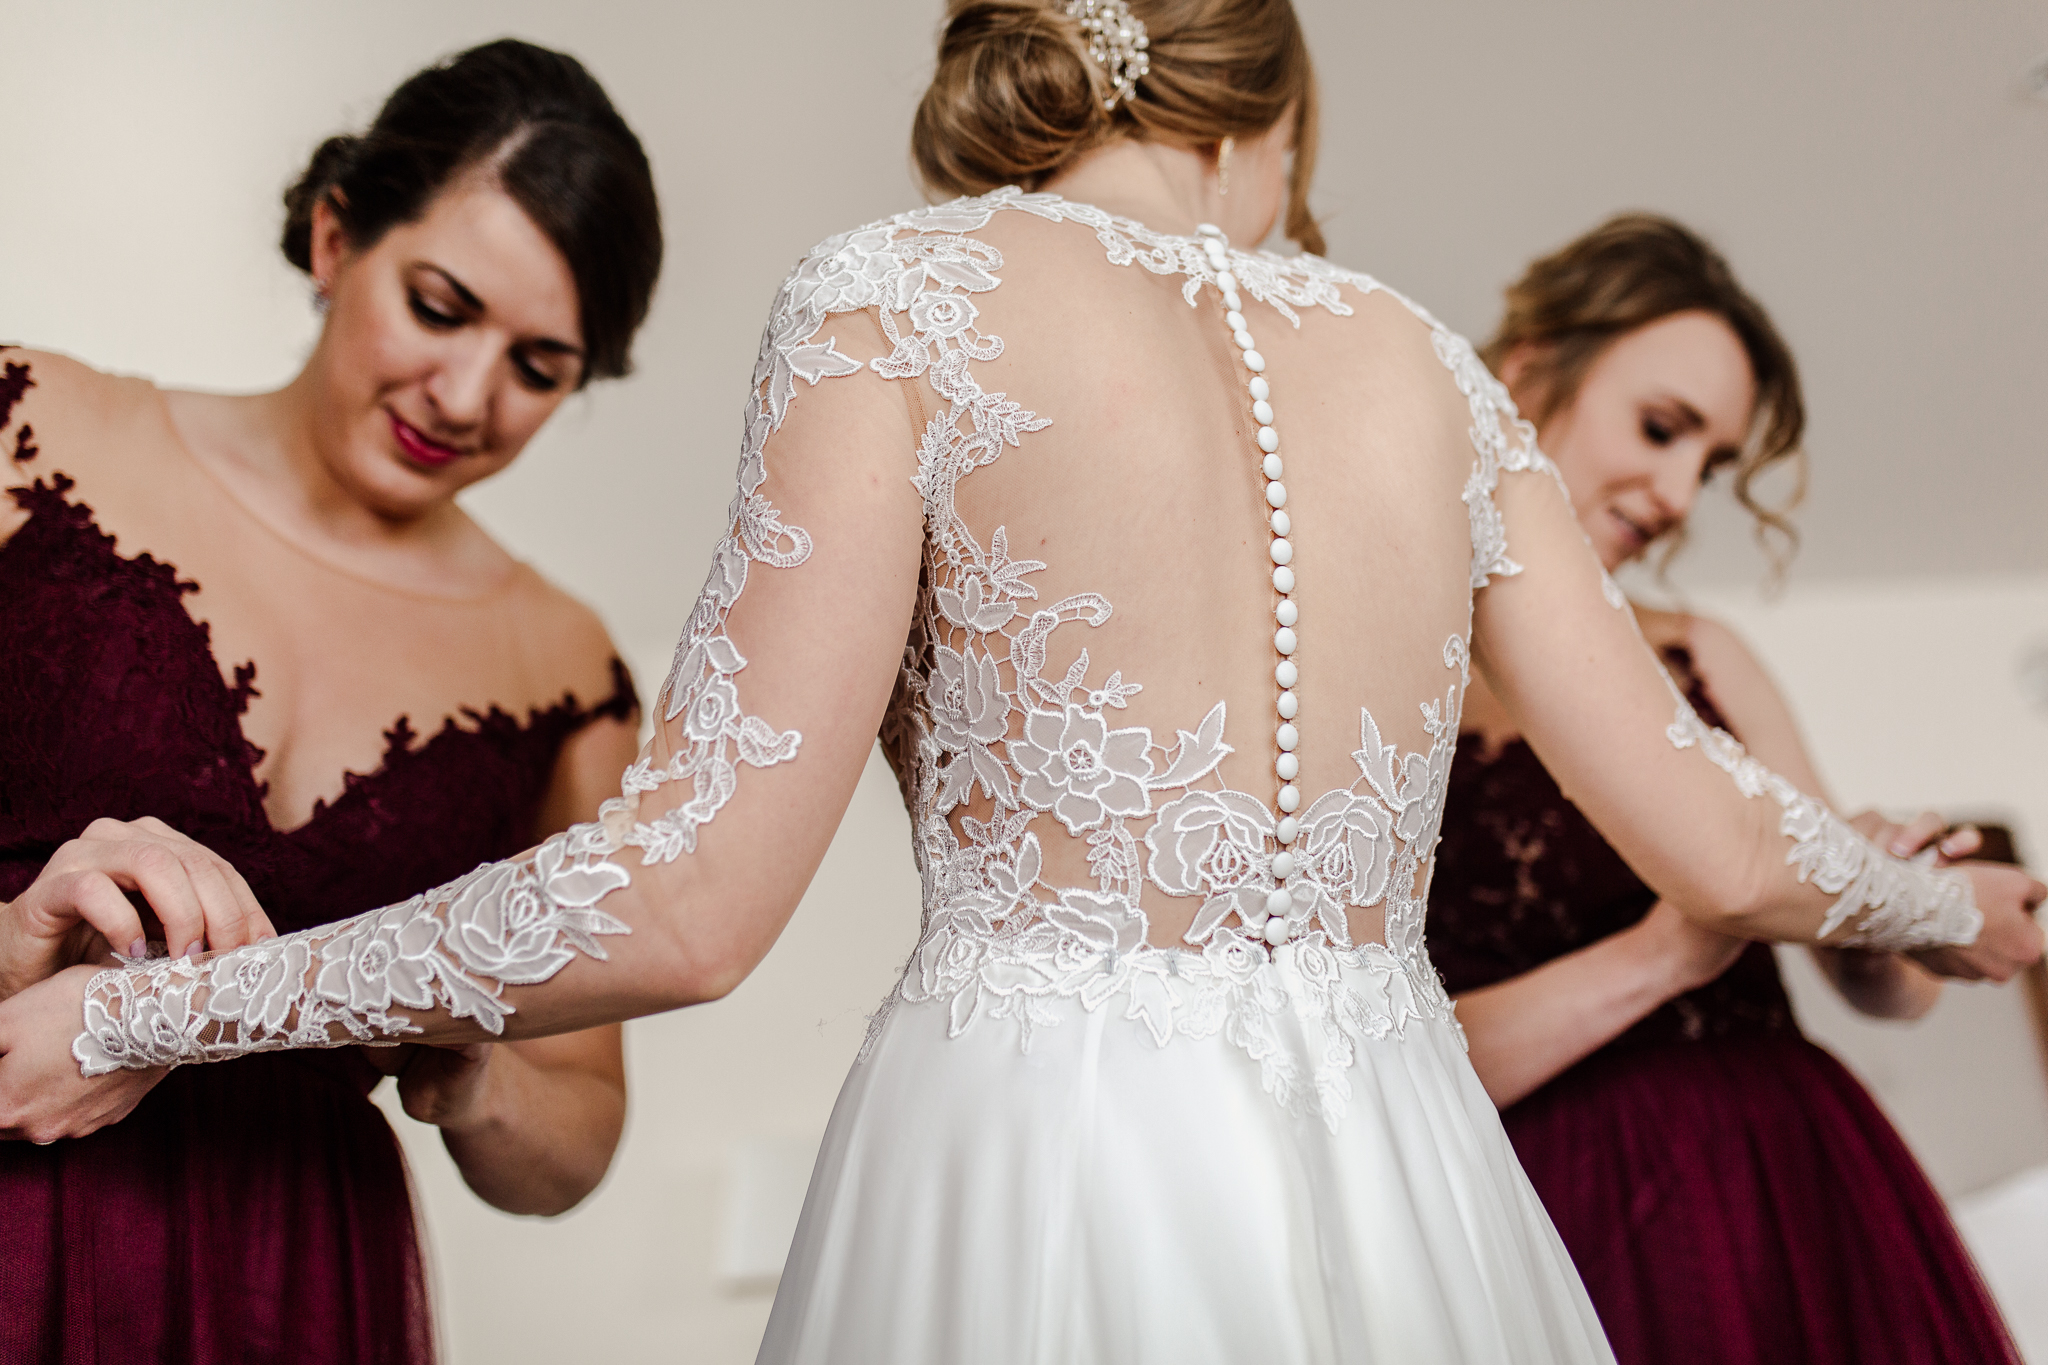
(1656,433)
(433,318)
(534,379)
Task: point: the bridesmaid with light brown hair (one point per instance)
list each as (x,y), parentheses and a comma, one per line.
(1728,1191)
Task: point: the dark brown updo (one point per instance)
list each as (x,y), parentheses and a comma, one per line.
(1633,270)
(1016,97)
(553,142)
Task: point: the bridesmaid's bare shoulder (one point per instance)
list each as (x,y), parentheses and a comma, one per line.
(59,413)
(564,641)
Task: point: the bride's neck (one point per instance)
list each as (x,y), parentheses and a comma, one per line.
(1168,189)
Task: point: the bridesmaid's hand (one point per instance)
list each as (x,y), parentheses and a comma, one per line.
(2008,896)
(79,904)
(42,1095)
(2011,940)
(1904,841)
(445,1086)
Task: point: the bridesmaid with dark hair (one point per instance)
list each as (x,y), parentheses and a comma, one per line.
(1729,1193)
(258,633)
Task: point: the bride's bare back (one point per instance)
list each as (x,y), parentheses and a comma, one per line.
(1142,499)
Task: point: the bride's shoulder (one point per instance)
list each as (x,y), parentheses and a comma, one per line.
(1385,313)
(959,242)
(1362,321)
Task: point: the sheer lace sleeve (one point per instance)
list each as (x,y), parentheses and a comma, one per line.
(1677,797)
(780,680)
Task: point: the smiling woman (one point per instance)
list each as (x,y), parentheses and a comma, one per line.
(225,615)
(1716,1176)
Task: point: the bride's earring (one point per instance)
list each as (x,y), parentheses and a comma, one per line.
(320,298)
(1223,151)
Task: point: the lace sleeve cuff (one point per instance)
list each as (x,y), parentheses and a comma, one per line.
(456,948)
(1883,902)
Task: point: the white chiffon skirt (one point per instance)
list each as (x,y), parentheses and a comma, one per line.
(1104,1199)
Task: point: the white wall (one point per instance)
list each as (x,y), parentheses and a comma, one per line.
(1873,170)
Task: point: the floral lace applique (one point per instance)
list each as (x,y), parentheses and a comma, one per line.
(1903,905)
(977,715)
(456,947)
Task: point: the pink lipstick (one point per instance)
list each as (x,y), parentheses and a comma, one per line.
(418,447)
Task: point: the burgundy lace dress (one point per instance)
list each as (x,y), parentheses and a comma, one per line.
(1730,1193)
(257,1210)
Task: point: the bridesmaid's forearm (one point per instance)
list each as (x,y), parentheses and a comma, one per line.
(1529,1029)
(541,1138)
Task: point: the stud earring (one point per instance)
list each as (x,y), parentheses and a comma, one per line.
(1223,151)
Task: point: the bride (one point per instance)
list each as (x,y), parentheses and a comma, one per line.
(1160,566)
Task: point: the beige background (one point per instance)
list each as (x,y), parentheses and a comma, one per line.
(1877,171)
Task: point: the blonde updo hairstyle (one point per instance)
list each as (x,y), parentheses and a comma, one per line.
(1633,270)
(1016,97)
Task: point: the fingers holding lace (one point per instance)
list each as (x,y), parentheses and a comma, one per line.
(2011,939)
(197,897)
(1916,836)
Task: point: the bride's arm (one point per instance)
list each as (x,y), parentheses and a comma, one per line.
(1883,985)
(781,680)
(1732,845)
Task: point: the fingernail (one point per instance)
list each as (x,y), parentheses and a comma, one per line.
(139,948)
(192,949)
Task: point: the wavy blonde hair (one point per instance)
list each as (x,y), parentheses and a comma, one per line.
(1016,98)
(1629,272)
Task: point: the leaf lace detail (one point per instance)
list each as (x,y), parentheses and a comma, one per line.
(455,948)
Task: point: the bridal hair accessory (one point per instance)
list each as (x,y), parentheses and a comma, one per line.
(1117,42)
(1223,151)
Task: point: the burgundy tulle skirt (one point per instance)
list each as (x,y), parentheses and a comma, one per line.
(249,1212)
(1742,1201)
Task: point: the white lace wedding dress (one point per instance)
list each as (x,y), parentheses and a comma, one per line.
(1062,1143)
(1155,565)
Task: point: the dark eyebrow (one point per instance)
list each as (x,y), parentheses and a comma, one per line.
(476,305)
(462,291)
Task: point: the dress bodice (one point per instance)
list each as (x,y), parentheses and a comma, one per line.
(116,707)
(1058,813)
(1525,879)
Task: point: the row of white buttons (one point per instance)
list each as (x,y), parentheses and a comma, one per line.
(1286,766)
